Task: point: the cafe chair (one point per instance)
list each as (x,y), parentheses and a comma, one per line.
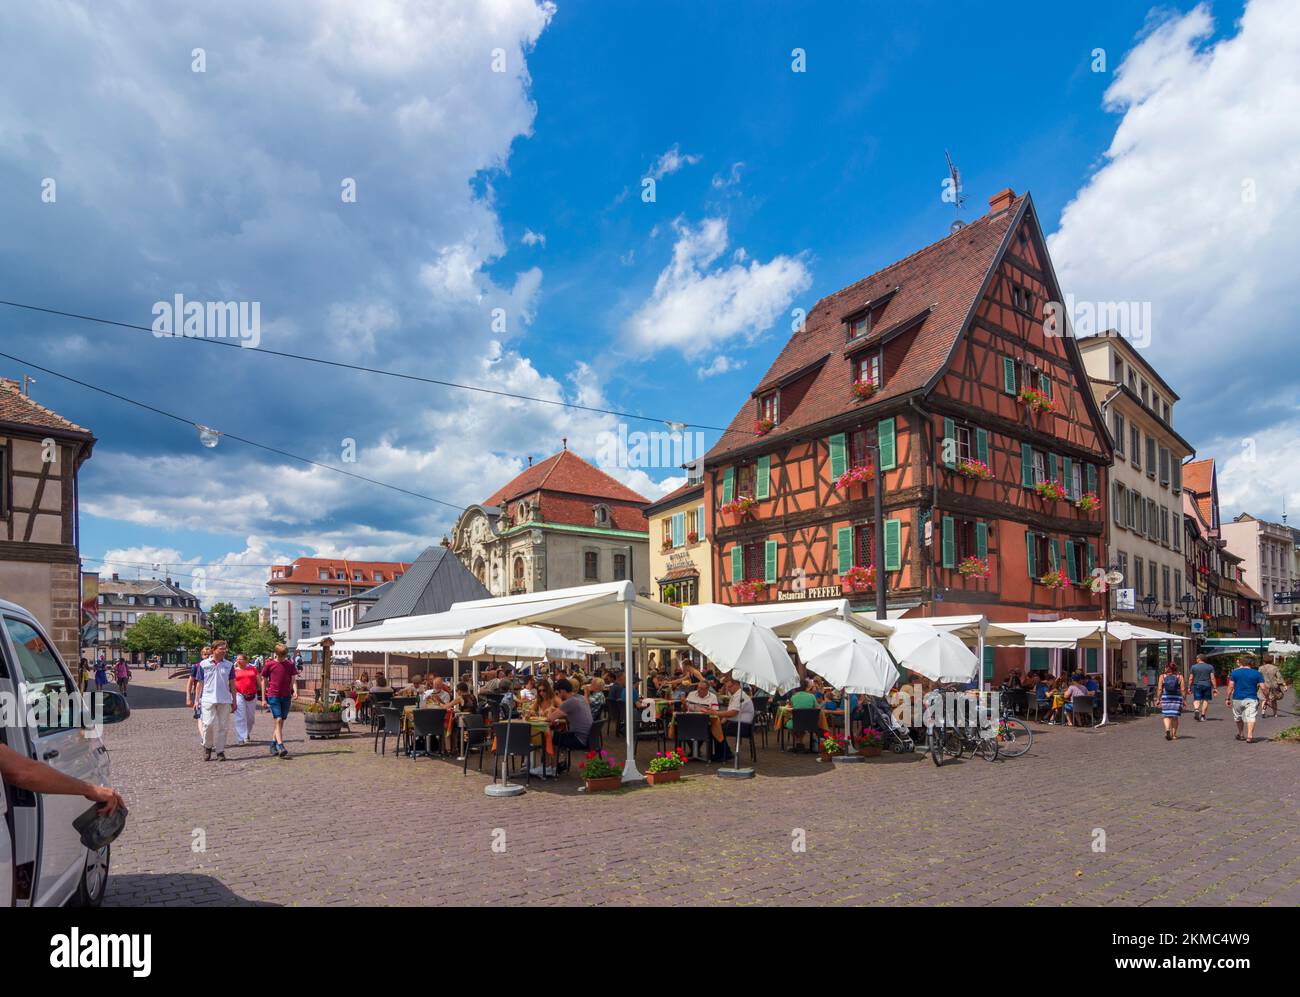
(1084,709)
(1034,705)
(402,702)
(649,730)
(429,725)
(377,701)
(688,727)
(513,740)
(474,735)
(1140,707)
(806,721)
(390,722)
(762,715)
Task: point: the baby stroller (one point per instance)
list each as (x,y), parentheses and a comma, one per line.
(877,713)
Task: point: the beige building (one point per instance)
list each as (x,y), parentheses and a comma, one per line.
(680,561)
(302,594)
(41,454)
(558,524)
(1268,558)
(1145,530)
(124,602)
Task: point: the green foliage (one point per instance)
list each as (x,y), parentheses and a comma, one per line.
(152,634)
(1290,669)
(242,631)
(191,636)
(259,639)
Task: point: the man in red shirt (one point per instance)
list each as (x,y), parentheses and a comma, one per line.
(245,699)
(279,691)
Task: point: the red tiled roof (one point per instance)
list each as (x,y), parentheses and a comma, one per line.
(676,494)
(17,408)
(308,569)
(576,510)
(944,277)
(1198,477)
(565,472)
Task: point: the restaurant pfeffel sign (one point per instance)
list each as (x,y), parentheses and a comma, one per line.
(828,592)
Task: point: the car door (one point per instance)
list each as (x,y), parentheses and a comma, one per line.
(59,741)
(6,852)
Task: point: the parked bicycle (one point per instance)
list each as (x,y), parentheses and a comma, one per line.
(956,740)
(1013,734)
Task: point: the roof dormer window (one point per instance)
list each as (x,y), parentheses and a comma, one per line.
(860,326)
(601,513)
(769,408)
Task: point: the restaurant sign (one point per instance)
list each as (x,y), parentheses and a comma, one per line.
(829,592)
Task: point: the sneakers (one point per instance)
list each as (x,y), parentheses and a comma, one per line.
(284,752)
(221,756)
(207,754)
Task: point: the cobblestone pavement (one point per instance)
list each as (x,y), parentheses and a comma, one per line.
(1205,820)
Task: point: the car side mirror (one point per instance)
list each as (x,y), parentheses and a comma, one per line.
(115,707)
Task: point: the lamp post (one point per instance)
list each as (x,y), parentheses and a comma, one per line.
(1260,618)
(1149,607)
(1103,582)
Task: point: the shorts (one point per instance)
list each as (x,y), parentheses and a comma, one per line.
(1245,709)
(279,706)
(1201,693)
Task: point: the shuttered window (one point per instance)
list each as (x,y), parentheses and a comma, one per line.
(982,445)
(769,562)
(1008,375)
(1026,465)
(762,482)
(893,545)
(737,563)
(843,549)
(948,446)
(838,458)
(888,446)
(949,552)
(728,484)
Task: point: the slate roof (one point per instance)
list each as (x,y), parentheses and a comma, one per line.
(937,286)
(430,585)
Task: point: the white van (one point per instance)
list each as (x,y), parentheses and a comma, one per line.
(42,860)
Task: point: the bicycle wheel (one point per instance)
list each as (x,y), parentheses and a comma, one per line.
(934,741)
(987,748)
(954,743)
(1015,739)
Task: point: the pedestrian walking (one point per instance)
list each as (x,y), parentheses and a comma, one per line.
(101,674)
(246,684)
(1204,682)
(123,675)
(1243,697)
(1173,697)
(217,701)
(279,690)
(1274,687)
(193,687)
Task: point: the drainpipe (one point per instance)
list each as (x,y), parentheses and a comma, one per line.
(924,416)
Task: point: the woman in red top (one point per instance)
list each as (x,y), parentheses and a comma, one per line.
(245,699)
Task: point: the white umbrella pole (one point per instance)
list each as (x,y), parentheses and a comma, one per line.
(385,667)
(1105,685)
(630,773)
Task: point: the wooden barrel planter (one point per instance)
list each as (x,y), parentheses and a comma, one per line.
(323,725)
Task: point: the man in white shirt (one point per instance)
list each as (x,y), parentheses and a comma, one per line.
(437,694)
(737,719)
(701,699)
(217,702)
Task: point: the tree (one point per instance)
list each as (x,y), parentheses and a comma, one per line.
(152,634)
(227,623)
(191,636)
(258,639)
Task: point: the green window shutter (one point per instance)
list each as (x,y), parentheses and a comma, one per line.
(1067,475)
(699,521)
(1008,375)
(949,544)
(1091,565)
(1072,562)
(988,663)
(844,549)
(1090,478)
(1091,657)
(1056,555)
(1051,467)
(1045,384)
(838,460)
(679,529)
(981,539)
(982,445)
(948,449)
(737,563)
(769,562)
(1029,555)
(1038,659)
(1027,465)
(888,447)
(728,484)
(893,545)
(763,485)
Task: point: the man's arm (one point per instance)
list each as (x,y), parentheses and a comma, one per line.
(37,777)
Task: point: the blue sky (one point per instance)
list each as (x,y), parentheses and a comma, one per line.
(515,197)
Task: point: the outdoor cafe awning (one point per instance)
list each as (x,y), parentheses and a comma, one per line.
(1077,633)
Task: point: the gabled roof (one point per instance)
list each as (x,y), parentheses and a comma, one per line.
(1199,478)
(430,585)
(930,296)
(17,408)
(564,472)
(678,495)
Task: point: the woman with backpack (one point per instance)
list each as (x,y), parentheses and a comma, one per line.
(1173,697)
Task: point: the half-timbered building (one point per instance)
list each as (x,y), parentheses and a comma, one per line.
(992,451)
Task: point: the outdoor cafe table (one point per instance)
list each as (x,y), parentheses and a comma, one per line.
(783,712)
(715,723)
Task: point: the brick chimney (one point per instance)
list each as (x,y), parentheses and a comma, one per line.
(1001,200)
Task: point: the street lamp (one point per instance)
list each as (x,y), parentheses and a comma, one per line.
(1149,607)
(1260,618)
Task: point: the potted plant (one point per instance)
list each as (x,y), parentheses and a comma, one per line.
(600,771)
(748,591)
(763,426)
(974,567)
(1088,502)
(737,509)
(1053,491)
(670,593)
(859,475)
(858,579)
(832,744)
(972,468)
(667,543)
(870,741)
(323,719)
(692,537)
(665,766)
(863,389)
(1057,580)
(1035,400)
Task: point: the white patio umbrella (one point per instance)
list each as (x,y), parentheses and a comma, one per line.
(737,644)
(533,643)
(849,659)
(938,656)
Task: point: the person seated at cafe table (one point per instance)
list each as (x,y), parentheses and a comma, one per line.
(529,691)
(702,699)
(1075,688)
(575,713)
(463,701)
(594,691)
(737,718)
(543,702)
(804,699)
(381,684)
(437,694)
